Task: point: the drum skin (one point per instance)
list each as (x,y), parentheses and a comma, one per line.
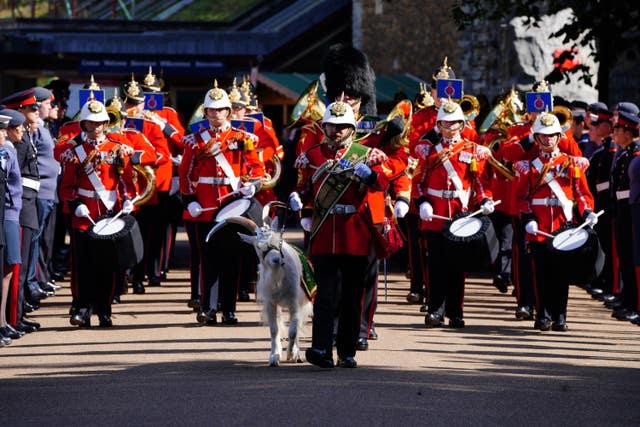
(577,266)
(248,208)
(122,249)
(471,253)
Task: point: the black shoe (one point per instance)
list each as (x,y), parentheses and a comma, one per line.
(319,358)
(208,318)
(559,326)
(501,284)
(609,298)
(57,276)
(73,310)
(372,334)
(29,307)
(82,318)
(414,298)
(154,281)
(49,288)
(347,362)
(36,295)
(9,331)
(22,327)
(138,288)
(4,339)
(524,313)
(194,303)
(105,321)
(456,322)
(116,300)
(229,318)
(424,308)
(433,320)
(243,296)
(542,324)
(31,323)
(362,344)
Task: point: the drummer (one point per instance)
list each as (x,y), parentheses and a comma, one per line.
(209,172)
(99,182)
(548,185)
(454,172)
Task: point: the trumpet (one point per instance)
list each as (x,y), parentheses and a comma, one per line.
(115,119)
(470,106)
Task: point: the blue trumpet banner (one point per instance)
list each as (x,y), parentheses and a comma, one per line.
(198,127)
(153,101)
(245,125)
(134,123)
(85,94)
(257,115)
(539,102)
(449,88)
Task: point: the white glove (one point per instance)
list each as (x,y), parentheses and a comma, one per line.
(195,209)
(159,122)
(400,209)
(531,227)
(82,211)
(127,207)
(295,202)
(189,139)
(487,207)
(305,223)
(426,211)
(176,160)
(591,219)
(247,190)
(301,162)
(362,171)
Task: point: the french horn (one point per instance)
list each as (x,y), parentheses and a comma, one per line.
(564,115)
(308,107)
(470,106)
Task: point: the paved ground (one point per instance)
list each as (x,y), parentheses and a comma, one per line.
(157,367)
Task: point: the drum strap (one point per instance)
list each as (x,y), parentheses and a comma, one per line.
(567,205)
(455,179)
(221,160)
(93,178)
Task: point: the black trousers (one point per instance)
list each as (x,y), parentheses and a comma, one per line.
(418,280)
(25,254)
(153,220)
(604,230)
(446,284)
(522,271)
(552,295)
(624,244)
(504,231)
(341,281)
(195,257)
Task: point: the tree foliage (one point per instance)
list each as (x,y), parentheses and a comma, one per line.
(610,26)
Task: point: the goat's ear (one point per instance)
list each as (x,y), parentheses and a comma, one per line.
(275,223)
(247,238)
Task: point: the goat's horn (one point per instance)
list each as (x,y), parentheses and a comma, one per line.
(267,207)
(240,220)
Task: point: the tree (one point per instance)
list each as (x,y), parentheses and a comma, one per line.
(610,26)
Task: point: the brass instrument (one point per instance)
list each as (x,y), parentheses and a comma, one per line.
(308,107)
(470,106)
(272,173)
(148,176)
(115,119)
(564,116)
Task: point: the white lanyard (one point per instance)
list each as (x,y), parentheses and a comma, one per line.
(567,205)
(463,195)
(95,181)
(222,160)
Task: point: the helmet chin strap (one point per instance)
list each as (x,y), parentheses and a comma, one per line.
(335,144)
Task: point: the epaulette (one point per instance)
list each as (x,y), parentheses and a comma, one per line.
(635,151)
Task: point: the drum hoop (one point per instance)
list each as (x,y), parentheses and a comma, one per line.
(224,211)
(476,228)
(582,237)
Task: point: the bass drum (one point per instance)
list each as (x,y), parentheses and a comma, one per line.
(575,256)
(248,208)
(117,241)
(471,243)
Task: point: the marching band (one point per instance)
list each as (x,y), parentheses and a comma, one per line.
(528,197)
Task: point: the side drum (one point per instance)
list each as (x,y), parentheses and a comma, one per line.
(575,255)
(117,241)
(248,208)
(471,243)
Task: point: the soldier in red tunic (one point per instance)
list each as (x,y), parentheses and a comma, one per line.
(453,180)
(549,184)
(210,171)
(98,182)
(339,181)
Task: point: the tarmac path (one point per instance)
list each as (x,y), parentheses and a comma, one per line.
(157,367)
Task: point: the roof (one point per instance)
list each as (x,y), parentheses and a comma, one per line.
(291,85)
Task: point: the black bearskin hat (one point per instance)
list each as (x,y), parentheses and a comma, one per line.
(347,69)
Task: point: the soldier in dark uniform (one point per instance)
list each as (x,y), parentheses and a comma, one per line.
(625,135)
(598,175)
(25,103)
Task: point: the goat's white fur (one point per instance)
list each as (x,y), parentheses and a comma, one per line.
(279,276)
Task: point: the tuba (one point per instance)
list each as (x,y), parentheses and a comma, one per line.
(147,176)
(403,109)
(272,173)
(564,116)
(470,106)
(308,107)
(115,119)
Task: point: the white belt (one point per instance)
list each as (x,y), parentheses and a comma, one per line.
(342,210)
(602,186)
(214,180)
(31,183)
(111,195)
(546,202)
(444,194)
(624,194)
